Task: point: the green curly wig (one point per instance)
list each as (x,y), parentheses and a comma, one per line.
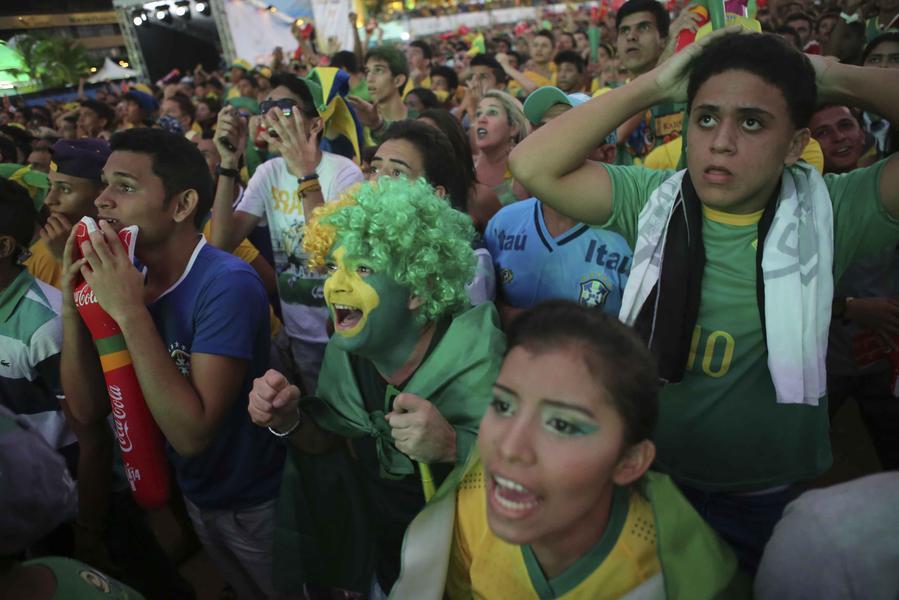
(409,232)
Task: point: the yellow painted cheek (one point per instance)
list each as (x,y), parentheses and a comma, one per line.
(345,286)
(363,296)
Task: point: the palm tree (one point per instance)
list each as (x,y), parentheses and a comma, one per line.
(53,61)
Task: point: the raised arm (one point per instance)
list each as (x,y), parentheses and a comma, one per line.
(526,83)
(874,90)
(551,162)
(229,227)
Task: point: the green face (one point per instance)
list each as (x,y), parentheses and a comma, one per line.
(368,307)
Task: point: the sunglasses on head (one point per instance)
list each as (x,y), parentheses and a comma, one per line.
(285,104)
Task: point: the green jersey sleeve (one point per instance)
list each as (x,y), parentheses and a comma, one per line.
(631,189)
(861,224)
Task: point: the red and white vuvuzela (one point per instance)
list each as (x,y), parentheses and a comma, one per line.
(140,440)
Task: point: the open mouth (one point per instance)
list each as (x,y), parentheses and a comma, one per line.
(114,223)
(481,132)
(511,498)
(346,317)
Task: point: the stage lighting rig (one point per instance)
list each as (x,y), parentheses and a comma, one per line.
(182,9)
(164,13)
(138,17)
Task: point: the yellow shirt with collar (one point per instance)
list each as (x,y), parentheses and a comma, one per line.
(484,566)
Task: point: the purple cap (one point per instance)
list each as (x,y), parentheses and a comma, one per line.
(83,158)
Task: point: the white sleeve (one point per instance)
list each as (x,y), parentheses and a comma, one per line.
(258,191)
(348,176)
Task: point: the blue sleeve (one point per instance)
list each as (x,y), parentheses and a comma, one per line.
(231,310)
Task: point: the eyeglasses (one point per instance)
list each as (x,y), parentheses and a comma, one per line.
(285,104)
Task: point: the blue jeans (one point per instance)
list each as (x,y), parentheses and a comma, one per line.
(743,521)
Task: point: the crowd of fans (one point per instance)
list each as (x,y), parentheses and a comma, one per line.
(556,309)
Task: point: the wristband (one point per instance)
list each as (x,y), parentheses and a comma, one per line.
(293,428)
(309,186)
(847,18)
(311,177)
(222,171)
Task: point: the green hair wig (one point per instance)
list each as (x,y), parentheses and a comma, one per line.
(407,231)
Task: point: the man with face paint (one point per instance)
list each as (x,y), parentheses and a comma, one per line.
(403,386)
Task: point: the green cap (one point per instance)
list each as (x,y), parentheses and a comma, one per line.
(242,102)
(539,101)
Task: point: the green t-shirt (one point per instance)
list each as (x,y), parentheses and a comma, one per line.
(78,581)
(361,90)
(721,428)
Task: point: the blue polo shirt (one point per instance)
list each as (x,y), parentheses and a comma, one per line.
(219,307)
(584,264)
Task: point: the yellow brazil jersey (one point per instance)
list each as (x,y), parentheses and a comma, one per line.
(540,79)
(43,265)
(484,566)
(667,155)
(410,85)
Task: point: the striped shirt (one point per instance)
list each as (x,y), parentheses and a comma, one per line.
(30,342)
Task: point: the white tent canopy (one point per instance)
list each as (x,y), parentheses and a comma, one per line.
(111,71)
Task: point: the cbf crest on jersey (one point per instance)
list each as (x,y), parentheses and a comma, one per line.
(181,356)
(593,293)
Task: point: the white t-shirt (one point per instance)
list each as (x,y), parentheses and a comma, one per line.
(272,194)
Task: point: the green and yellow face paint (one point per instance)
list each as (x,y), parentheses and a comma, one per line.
(369,307)
(348,294)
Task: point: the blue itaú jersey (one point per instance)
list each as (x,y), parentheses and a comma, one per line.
(584,264)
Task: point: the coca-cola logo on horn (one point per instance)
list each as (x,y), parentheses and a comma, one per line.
(84,296)
(119,415)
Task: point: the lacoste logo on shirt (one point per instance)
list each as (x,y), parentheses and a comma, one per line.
(5,363)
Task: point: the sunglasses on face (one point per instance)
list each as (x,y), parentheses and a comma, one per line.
(284,104)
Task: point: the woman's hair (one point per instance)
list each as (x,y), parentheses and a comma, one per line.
(407,231)
(616,357)
(453,130)
(437,157)
(514,113)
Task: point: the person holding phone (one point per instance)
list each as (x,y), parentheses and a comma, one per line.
(281,194)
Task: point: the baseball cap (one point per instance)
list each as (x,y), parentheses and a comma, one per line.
(147,102)
(243,103)
(36,491)
(263,70)
(541,99)
(83,158)
(241,64)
